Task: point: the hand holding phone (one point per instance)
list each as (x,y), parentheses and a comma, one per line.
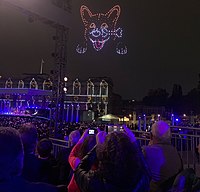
(84,135)
(129,133)
(100,137)
(91,131)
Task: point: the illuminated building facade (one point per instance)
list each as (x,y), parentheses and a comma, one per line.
(89,98)
(83,100)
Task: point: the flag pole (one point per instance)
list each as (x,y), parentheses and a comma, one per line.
(41,66)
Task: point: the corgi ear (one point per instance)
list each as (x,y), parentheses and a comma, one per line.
(85,14)
(114,13)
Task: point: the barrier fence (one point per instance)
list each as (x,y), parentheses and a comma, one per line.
(185,139)
(58,145)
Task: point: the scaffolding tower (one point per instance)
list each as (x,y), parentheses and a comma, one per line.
(58,73)
(58,17)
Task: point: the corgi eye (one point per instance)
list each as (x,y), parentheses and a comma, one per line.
(92,25)
(104,25)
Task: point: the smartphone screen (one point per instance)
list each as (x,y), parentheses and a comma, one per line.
(91,131)
(115,129)
(121,128)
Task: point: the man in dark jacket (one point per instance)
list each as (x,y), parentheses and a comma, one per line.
(32,164)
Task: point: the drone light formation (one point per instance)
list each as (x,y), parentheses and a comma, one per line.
(100,28)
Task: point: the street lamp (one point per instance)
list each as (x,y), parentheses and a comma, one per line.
(130,119)
(144,123)
(65,89)
(65,79)
(65,84)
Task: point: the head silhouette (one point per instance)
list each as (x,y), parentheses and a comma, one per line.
(74,136)
(161,132)
(120,160)
(29,137)
(11,153)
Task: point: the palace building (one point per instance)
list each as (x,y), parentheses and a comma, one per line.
(32,95)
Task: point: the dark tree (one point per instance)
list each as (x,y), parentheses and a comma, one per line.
(175,101)
(156,97)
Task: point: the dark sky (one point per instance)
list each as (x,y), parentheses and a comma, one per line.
(163,40)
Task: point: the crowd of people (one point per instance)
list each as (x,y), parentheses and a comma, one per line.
(42,124)
(93,162)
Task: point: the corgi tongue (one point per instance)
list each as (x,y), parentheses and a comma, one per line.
(98,44)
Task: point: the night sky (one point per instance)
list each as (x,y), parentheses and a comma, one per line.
(163,40)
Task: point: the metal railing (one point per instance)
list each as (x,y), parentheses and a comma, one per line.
(58,145)
(184,139)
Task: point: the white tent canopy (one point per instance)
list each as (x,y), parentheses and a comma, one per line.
(109,117)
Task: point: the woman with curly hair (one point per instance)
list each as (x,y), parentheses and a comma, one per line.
(121,165)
